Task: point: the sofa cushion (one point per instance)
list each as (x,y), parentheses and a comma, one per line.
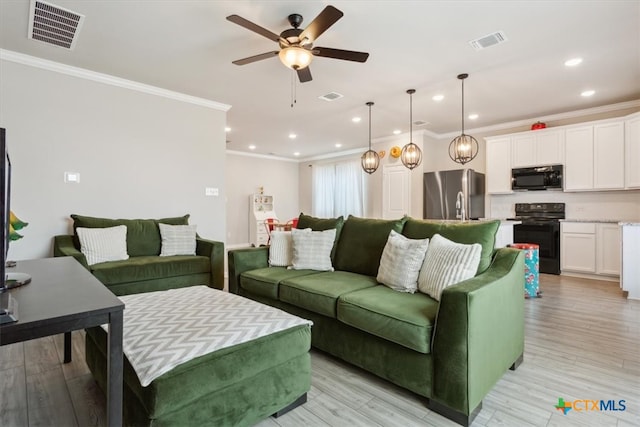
(447,263)
(143,235)
(482,232)
(321,224)
(150,267)
(361,244)
(401,261)
(406,319)
(177,239)
(312,249)
(265,281)
(103,244)
(319,292)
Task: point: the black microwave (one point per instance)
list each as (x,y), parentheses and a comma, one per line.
(537,178)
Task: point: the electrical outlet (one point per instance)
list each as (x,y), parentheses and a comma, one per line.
(72,177)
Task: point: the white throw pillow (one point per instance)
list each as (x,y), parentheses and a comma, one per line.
(312,249)
(447,263)
(177,239)
(103,244)
(401,261)
(281,249)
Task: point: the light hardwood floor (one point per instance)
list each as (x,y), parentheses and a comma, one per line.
(582,342)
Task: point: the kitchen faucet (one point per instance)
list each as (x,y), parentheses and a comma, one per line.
(460,212)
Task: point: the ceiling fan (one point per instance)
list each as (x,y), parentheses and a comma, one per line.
(296,45)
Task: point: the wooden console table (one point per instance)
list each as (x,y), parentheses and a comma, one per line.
(63,297)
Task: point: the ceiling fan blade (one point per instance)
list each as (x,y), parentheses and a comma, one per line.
(304,74)
(255,58)
(321,23)
(253,27)
(348,55)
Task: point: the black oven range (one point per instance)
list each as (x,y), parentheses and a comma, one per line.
(541,225)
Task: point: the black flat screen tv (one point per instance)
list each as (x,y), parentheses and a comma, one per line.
(5,199)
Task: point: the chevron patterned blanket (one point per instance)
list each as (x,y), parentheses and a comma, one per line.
(165,329)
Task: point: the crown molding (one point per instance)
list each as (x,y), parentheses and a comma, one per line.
(552,117)
(107,79)
(263,156)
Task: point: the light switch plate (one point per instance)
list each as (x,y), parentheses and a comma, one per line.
(209,191)
(72,177)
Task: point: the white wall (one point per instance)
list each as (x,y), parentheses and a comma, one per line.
(138,155)
(244,174)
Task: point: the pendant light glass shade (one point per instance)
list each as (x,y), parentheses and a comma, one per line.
(411,155)
(370,160)
(463,148)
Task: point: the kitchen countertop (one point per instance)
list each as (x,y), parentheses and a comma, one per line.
(612,221)
(629,224)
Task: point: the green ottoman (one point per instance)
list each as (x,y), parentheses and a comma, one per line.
(246,361)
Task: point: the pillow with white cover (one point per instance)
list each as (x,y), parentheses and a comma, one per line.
(312,249)
(447,263)
(280,249)
(103,244)
(177,239)
(401,261)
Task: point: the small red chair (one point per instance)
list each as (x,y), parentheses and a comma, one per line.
(270,224)
(293,223)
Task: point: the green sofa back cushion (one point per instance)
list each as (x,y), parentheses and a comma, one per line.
(483,232)
(143,235)
(322,224)
(361,243)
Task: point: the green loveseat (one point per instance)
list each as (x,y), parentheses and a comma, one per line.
(452,352)
(145,270)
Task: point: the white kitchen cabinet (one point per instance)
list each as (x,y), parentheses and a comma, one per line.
(630,275)
(608,156)
(578,247)
(504,236)
(632,152)
(498,165)
(588,247)
(608,249)
(538,147)
(578,154)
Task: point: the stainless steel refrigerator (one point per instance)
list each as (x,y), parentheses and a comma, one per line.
(441,198)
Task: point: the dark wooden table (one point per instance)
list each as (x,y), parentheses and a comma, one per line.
(63,297)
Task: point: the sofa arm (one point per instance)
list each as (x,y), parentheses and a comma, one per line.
(63,246)
(241,260)
(215,251)
(479,332)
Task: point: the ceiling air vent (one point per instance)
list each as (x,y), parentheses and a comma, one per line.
(54,25)
(331,96)
(488,40)
(421,123)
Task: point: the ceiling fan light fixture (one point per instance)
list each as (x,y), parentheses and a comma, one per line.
(370,160)
(463,148)
(411,155)
(295,57)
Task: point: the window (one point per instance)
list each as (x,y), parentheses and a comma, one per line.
(338,189)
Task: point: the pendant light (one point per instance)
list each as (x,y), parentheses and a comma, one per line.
(463,148)
(370,159)
(411,155)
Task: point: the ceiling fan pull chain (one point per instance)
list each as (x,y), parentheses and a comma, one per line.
(293,88)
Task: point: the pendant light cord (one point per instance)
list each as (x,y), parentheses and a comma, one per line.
(411,117)
(462,107)
(370,104)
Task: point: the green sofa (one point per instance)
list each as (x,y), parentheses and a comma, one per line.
(145,270)
(451,352)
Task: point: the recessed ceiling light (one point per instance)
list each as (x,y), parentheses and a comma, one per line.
(397,132)
(252,147)
(338,145)
(438,97)
(296,154)
(573,62)
(588,93)
(356,119)
(473,116)
(227,129)
(292,136)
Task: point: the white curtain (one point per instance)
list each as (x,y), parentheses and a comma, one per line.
(324,181)
(338,190)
